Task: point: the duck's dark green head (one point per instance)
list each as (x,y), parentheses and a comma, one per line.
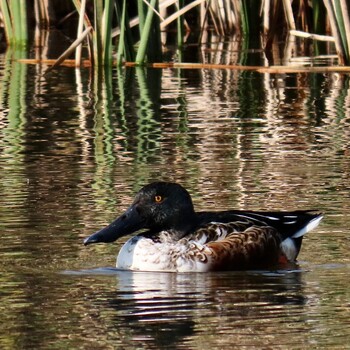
(158,206)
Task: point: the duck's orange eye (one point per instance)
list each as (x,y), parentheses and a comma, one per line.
(158,198)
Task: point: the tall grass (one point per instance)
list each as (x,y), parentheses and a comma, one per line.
(114,41)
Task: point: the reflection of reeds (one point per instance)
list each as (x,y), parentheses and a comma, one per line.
(13,122)
(12,92)
(258,23)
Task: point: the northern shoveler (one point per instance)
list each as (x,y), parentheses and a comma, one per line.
(179,239)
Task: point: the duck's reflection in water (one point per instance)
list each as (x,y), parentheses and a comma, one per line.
(158,309)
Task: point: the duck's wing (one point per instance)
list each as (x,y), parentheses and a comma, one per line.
(289,224)
(264,238)
(237,246)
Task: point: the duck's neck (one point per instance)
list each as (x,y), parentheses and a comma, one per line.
(186,224)
(177,229)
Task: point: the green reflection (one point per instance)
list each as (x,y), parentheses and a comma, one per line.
(13,92)
(148,127)
(123,77)
(13,103)
(104,154)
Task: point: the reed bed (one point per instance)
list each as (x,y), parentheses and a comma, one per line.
(119,31)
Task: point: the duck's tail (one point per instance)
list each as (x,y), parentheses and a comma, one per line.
(291,245)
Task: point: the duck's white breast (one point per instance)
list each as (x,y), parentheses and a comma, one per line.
(144,254)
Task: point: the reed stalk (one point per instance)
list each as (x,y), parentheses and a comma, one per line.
(14,15)
(319,24)
(180,31)
(7,21)
(42,13)
(107,32)
(121,46)
(345,31)
(79,32)
(141,7)
(71,49)
(251,18)
(335,26)
(289,14)
(18,13)
(145,35)
(125,47)
(180,12)
(97,35)
(154,49)
(319,16)
(22,21)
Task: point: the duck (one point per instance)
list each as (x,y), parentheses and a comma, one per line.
(176,238)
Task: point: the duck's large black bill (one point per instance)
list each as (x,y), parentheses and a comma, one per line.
(126,224)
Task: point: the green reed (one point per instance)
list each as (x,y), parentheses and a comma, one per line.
(149,46)
(14,15)
(339,19)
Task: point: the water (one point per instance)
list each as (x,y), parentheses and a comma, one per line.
(74,151)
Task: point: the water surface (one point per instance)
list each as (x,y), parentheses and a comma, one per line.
(74,150)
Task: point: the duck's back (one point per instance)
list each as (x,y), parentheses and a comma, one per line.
(287,223)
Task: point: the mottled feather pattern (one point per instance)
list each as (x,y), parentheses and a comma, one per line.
(213,247)
(218,231)
(233,245)
(256,246)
